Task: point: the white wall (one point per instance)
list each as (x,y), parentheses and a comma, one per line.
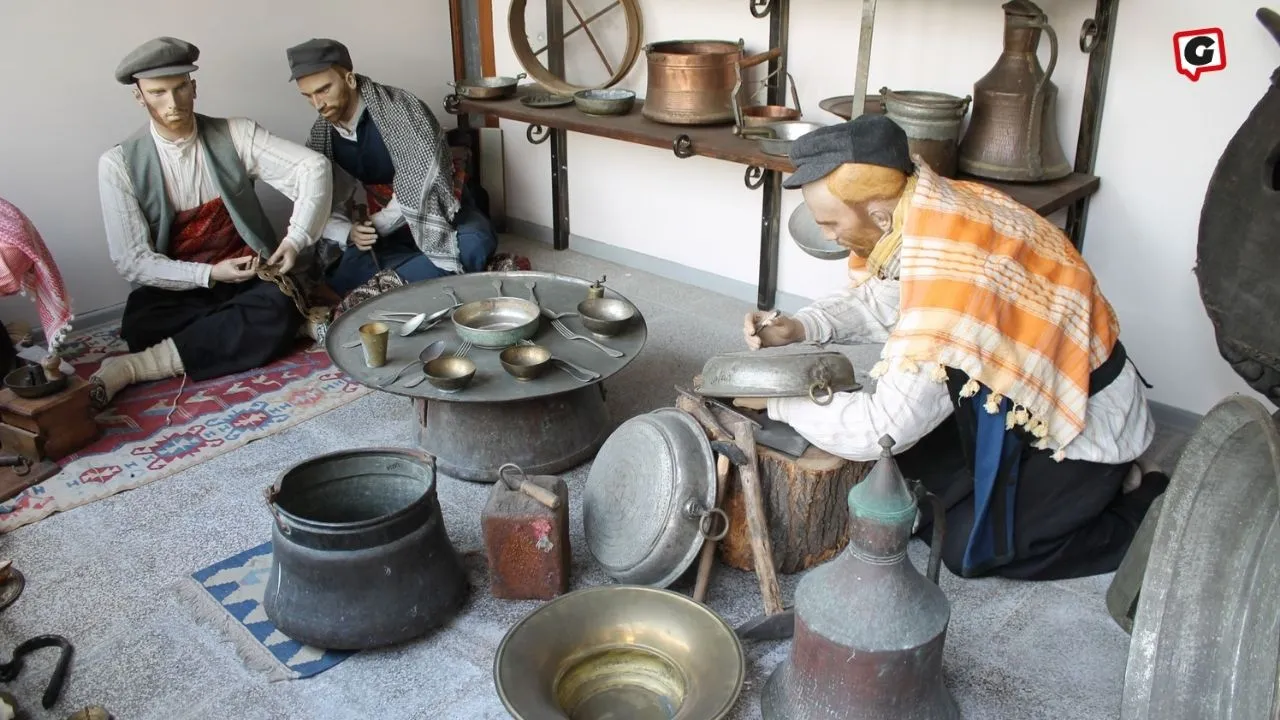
(1161,137)
(65,107)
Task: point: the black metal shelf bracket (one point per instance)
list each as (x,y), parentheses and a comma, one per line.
(536,134)
(682,146)
(451,102)
(762,8)
(1096,40)
(754,177)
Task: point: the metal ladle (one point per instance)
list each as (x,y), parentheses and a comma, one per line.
(429,353)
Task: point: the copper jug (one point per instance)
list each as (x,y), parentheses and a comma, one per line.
(1013,131)
(869,628)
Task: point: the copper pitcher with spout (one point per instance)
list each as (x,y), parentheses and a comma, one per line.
(1013,131)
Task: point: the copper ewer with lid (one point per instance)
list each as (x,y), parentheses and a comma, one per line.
(1013,131)
(691,82)
(869,628)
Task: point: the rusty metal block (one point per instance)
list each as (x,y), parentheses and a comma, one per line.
(526,543)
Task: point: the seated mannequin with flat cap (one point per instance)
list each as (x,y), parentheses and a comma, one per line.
(1002,379)
(185,226)
(388,141)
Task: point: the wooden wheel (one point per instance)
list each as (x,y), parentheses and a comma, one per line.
(536,69)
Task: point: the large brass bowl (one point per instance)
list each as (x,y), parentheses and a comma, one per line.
(620,651)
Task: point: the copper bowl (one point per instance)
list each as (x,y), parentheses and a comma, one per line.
(450,373)
(588,654)
(758,115)
(525,362)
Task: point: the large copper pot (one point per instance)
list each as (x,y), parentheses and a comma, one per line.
(691,82)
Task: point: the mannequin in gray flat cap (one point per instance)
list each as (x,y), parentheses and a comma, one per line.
(389,142)
(185,226)
(1002,380)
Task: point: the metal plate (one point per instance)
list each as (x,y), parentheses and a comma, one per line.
(559,293)
(806,233)
(786,371)
(1205,635)
(842,106)
(546,100)
(634,504)
(1239,239)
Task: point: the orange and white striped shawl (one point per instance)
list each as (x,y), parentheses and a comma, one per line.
(998,292)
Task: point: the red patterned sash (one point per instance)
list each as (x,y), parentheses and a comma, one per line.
(206,234)
(378,196)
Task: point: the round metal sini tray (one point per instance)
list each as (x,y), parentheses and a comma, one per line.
(1205,635)
(646,496)
(546,100)
(492,383)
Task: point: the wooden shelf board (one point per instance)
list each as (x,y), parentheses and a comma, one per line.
(719,142)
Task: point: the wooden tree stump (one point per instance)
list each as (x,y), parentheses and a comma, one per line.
(806,503)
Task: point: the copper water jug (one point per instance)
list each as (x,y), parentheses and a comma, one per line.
(869,628)
(1013,130)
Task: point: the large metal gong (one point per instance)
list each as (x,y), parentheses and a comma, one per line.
(1240,239)
(1206,637)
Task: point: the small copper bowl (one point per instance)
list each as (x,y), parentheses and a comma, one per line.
(450,373)
(525,362)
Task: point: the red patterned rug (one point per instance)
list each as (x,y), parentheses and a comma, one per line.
(152,431)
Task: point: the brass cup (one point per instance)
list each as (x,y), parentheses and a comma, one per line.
(373,340)
(450,373)
(606,317)
(525,362)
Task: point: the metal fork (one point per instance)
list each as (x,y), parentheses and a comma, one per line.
(553,315)
(463,349)
(570,335)
(449,291)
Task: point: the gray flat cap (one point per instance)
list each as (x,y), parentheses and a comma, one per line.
(317,55)
(161,57)
(866,139)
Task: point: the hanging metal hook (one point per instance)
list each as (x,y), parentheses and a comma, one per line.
(536,134)
(754,177)
(762,8)
(451,103)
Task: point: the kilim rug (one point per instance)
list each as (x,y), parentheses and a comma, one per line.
(154,430)
(228,597)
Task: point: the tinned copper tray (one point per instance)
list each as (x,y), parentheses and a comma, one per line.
(797,370)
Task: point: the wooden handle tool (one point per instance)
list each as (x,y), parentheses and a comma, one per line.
(757,522)
(708,558)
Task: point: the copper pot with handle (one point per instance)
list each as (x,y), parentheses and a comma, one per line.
(691,82)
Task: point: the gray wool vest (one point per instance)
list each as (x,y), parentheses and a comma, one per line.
(229,176)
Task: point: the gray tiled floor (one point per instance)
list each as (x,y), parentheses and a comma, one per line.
(103,576)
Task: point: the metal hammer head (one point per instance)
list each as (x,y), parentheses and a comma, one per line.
(731,451)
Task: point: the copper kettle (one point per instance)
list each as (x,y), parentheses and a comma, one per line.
(1013,130)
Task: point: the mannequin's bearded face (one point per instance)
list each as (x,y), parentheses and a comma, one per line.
(170,101)
(851,226)
(331,92)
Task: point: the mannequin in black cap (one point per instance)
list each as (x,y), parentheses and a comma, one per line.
(1002,382)
(390,142)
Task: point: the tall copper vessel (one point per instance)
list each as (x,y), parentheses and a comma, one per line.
(869,628)
(1013,131)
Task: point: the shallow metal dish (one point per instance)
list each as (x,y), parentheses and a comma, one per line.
(525,362)
(776,138)
(30,382)
(487,88)
(449,373)
(806,233)
(649,498)
(613,101)
(842,106)
(546,100)
(495,323)
(800,370)
(593,653)
(606,316)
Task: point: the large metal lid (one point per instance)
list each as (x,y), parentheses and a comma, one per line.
(1239,237)
(1206,637)
(647,494)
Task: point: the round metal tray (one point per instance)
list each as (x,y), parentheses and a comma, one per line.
(649,487)
(558,293)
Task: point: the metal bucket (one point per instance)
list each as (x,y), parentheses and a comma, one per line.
(360,555)
(932,122)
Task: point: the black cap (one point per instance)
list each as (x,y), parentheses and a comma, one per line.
(866,139)
(159,57)
(317,55)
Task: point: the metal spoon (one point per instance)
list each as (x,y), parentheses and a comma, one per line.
(429,353)
(423,320)
(498,285)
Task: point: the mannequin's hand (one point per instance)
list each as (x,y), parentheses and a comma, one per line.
(751,403)
(363,235)
(235,270)
(284,257)
(782,331)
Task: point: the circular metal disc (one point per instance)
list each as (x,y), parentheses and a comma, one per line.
(1205,634)
(633,507)
(806,233)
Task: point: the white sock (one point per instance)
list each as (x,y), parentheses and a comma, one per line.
(157,362)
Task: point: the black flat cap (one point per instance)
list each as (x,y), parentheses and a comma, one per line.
(866,139)
(160,57)
(317,55)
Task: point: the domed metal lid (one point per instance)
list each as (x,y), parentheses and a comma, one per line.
(649,489)
(883,496)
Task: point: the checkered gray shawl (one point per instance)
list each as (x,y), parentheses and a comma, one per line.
(424,167)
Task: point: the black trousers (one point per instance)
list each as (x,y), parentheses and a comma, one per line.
(1070,518)
(229,328)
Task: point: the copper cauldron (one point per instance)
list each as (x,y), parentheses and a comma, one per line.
(691,82)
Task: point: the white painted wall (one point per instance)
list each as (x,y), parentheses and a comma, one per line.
(65,107)
(1162,135)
